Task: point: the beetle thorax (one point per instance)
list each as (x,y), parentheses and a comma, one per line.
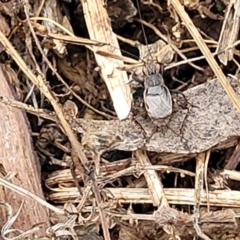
(153,80)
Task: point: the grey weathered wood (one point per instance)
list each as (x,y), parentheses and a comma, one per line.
(212,120)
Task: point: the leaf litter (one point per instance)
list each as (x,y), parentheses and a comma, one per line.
(75,60)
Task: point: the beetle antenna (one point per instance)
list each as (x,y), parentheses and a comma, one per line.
(143,29)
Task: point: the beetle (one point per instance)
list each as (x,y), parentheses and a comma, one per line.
(157,97)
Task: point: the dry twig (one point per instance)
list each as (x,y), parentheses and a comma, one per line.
(206,52)
(207,126)
(153,180)
(229,32)
(99,29)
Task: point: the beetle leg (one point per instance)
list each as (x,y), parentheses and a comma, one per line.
(187,106)
(159,124)
(161,69)
(145,71)
(137,79)
(166,125)
(148,138)
(181,132)
(144,131)
(185,99)
(135,119)
(183,125)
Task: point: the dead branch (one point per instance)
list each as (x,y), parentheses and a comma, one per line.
(211,121)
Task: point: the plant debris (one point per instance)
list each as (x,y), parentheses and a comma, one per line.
(107,171)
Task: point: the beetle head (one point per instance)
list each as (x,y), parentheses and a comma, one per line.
(153,80)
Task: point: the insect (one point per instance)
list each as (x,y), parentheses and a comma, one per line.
(157,97)
(158,102)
